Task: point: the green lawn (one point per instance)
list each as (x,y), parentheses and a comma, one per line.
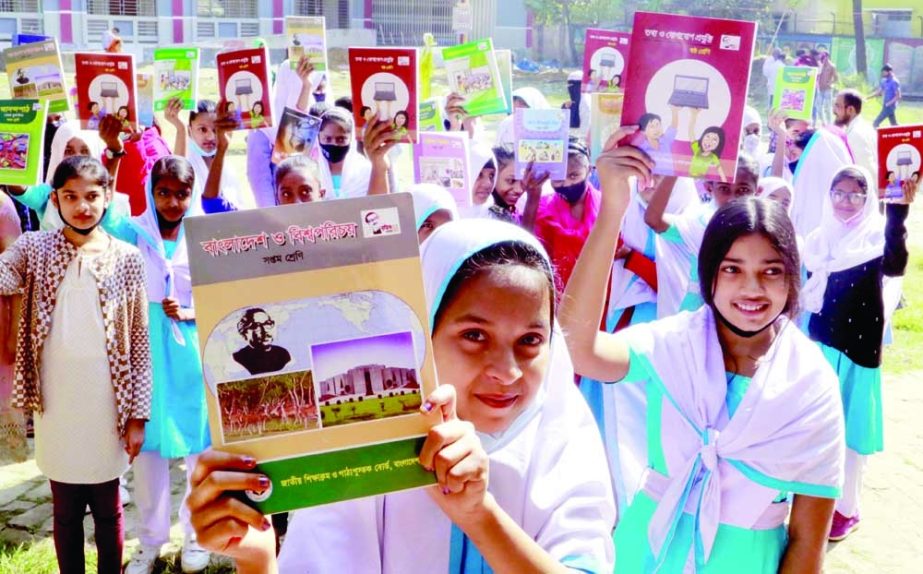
(369,409)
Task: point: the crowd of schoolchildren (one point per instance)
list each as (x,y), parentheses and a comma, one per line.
(726,353)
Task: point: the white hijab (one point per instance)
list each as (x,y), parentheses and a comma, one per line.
(824,155)
(357,169)
(428,198)
(547,470)
(836,246)
(479,154)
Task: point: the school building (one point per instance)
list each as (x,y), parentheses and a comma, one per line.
(145,24)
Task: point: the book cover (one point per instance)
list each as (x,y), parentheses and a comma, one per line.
(900,149)
(384,83)
(443,159)
(472,72)
(505,68)
(296,136)
(605,56)
(35,72)
(689,79)
(541,137)
(430,118)
(243,82)
(22,130)
(177,73)
(795,88)
(307,36)
(106,85)
(20,39)
(145,84)
(315,344)
(605,114)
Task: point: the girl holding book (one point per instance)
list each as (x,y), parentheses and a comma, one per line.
(513,422)
(741,410)
(83,363)
(508,189)
(344,171)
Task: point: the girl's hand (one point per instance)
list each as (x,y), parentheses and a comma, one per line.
(110,130)
(134,438)
(223,523)
(777,119)
(173,309)
(378,139)
(453,451)
(225,126)
(623,162)
(532,183)
(304,70)
(910,192)
(458,116)
(171,114)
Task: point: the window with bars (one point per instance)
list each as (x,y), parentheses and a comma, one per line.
(403,22)
(20,6)
(335,11)
(227,8)
(121,8)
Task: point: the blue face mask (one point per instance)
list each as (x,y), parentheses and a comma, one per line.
(195,147)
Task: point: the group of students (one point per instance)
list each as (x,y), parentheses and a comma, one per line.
(706,431)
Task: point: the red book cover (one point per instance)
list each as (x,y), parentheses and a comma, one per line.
(689,79)
(105,86)
(243,82)
(605,57)
(900,150)
(384,82)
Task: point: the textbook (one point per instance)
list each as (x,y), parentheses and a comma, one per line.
(605,56)
(145,84)
(688,89)
(307,36)
(443,159)
(243,82)
(472,72)
(605,113)
(505,67)
(35,72)
(316,348)
(430,118)
(900,149)
(22,130)
(296,136)
(176,71)
(384,83)
(106,85)
(541,137)
(794,93)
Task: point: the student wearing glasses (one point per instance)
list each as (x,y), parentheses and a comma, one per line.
(847,257)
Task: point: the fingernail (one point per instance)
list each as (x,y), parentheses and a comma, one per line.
(249,461)
(266,525)
(445,490)
(264,482)
(427,406)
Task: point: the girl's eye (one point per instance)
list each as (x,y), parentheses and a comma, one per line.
(532,340)
(474,335)
(775,271)
(730,269)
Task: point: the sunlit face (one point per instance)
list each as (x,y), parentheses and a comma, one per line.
(508,187)
(492,344)
(298,186)
(76,146)
(751,287)
(744,185)
(335,134)
(848,199)
(82,203)
(484,185)
(172,198)
(429,225)
(710,142)
(202,131)
(578,169)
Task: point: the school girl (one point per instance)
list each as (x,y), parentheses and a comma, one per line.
(83,364)
(344,171)
(434,206)
(847,257)
(296,181)
(508,189)
(824,154)
(482,173)
(741,411)
(13,446)
(523,485)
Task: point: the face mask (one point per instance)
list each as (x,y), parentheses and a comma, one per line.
(320,97)
(195,147)
(572,193)
(792,166)
(751,143)
(740,332)
(78,230)
(334,153)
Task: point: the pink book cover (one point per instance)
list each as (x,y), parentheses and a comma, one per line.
(605,58)
(900,149)
(689,79)
(442,158)
(106,86)
(243,82)
(384,82)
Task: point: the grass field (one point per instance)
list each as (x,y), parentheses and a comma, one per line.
(903,356)
(369,409)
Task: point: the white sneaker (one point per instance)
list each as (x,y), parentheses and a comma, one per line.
(143,560)
(194,558)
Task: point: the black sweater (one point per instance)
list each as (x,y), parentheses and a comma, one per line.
(852,318)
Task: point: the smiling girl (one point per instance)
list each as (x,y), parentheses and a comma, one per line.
(522,478)
(508,189)
(741,410)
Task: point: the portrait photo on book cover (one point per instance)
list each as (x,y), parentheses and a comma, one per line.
(380,222)
(259,355)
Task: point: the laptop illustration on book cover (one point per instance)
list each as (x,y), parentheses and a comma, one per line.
(384,92)
(690,92)
(243,87)
(903,158)
(109,90)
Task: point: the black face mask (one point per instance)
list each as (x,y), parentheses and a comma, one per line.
(334,153)
(77,230)
(740,332)
(572,193)
(792,166)
(165,224)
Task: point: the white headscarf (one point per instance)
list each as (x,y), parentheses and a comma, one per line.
(428,198)
(548,470)
(837,246)
(534,99)
(479,154)
(768,185)
(824,155)
(357,169)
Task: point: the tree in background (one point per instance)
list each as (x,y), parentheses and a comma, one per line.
(861,57)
